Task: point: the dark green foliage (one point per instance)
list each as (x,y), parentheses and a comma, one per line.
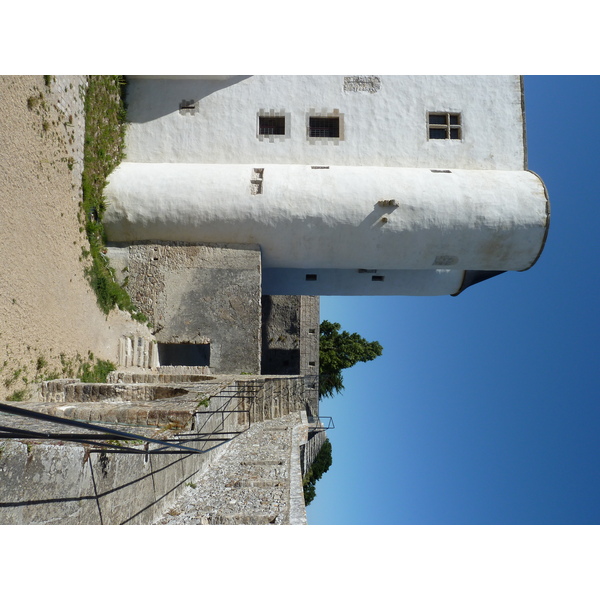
(320,466)
(338,351)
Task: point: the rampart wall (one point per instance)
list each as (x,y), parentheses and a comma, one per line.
(44,482)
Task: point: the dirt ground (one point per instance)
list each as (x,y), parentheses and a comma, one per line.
(48,312)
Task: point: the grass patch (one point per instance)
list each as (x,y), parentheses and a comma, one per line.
(10,380)
(105,127)
(17,396)
(93,370)
(96,372)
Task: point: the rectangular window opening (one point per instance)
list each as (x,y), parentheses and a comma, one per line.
(271,125)
(311,277)
(190,355)
(377,277)
(324,127)
(444,126)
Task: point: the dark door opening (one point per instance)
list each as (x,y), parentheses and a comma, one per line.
(188,355)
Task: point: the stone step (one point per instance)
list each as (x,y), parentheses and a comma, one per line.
(138,351)
(162,375)
(107,414)
(73,390)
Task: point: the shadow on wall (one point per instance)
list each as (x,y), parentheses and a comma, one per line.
(104,489)
(281,361)
(150,98)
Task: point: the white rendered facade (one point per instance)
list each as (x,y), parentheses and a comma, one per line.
(379,205)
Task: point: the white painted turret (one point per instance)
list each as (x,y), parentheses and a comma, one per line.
(370,207)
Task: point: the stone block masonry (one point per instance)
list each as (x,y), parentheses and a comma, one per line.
(290,338)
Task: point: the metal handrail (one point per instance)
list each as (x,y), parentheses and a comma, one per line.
(104,433)
(316,423)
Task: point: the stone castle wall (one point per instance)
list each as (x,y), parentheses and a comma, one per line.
(290,338)
(198,295)
(63,483)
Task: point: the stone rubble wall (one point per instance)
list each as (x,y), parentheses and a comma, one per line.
(290,339)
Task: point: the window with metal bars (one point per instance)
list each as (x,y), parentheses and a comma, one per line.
(444,126)
(271,125)
(325,127)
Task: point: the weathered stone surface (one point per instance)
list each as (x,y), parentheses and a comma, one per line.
(257,481)
(45,482)
(200,294)
(290,338)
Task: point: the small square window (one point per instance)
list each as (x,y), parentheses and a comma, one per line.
(271,125)
(377,278)
(311,277)
(324,127)
(444,126)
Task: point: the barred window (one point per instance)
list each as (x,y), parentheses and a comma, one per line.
(325,127)
(271,125)
(444,126)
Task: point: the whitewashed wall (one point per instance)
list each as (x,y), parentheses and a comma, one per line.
(330,218)
(386,127)
(191,176)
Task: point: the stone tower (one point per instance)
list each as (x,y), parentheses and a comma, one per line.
(349,185)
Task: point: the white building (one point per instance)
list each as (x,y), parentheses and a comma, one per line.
(350,185)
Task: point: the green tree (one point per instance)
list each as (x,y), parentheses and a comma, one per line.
(320,465)
(338,351)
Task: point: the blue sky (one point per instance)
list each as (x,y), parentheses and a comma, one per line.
(485,408)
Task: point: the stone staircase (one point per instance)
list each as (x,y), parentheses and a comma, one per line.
(138,351)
